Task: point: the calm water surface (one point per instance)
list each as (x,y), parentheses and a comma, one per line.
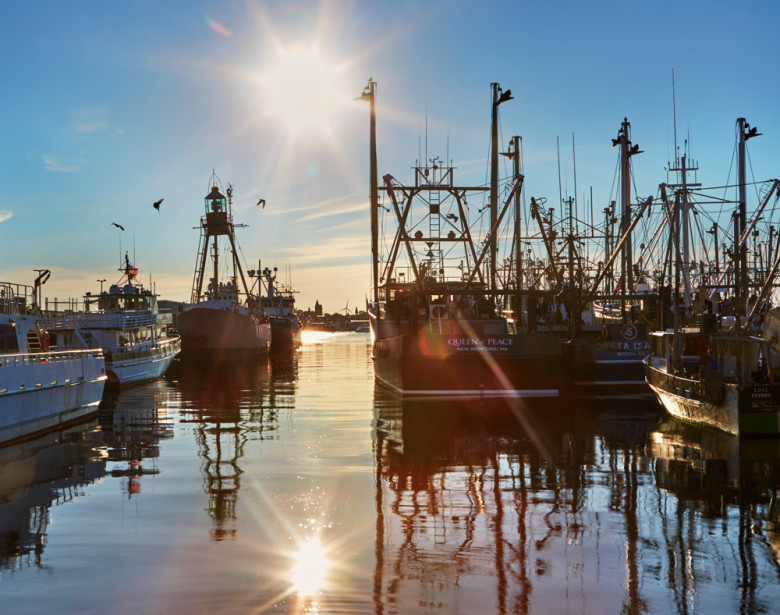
(295,487)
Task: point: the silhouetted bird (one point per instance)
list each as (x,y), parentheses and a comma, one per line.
(156,205)
(119,226)
(261,202)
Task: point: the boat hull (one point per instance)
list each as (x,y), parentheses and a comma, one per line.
(285,337)
(127,367)
(430,365)
(742,410)
(206,329)
(610,366)
(41,392)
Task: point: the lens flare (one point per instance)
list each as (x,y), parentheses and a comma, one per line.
(217,27)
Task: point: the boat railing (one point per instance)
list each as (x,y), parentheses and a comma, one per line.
(35,358)
(15,298)
(97,320)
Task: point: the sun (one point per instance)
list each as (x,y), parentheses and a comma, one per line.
(304,89)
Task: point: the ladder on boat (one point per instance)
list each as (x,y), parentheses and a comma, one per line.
(434,229)
(197,278)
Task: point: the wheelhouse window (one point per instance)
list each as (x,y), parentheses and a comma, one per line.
(8,341)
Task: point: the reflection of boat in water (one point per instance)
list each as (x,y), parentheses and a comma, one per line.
(730,483)
(127,324)
(40,389)
(231,402)
(456,484)
(37,475)
(223,314)
(440,317)
(134,423)
(475,497)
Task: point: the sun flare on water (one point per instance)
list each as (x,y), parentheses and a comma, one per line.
(311,567)
(304,89)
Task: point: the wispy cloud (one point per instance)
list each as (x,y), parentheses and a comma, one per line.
(93,123)
(62,164)
(6,215)
(90,127)
(337,211)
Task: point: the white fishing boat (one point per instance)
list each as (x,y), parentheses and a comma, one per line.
(41,389)
(125,321)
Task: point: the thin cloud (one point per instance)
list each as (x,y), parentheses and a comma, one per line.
(91,127)
(6,215)
(271,210)
(334,212)
(61,164)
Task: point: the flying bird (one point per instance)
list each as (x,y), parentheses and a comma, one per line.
(156,205)
(119,226)
(261,202)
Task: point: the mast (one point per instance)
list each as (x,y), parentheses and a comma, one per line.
(518,233)
(217,221)
(498,98)
(626,151)
(745,132)
(625,208)
(514,154)
(369,94)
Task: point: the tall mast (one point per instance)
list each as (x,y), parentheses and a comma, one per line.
(625,206)
(369,94)
(626,151)
(498,98)
(745,132)
(514,154)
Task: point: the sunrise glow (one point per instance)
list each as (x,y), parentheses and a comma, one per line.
(303,89)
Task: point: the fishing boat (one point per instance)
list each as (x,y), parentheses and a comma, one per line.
(223,315)
(41,389)
(719,371)
(605,346)
(125,321)
(278,303)
(726,381)
(440,318)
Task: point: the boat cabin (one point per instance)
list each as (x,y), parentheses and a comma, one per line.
(120,299)
(732,358)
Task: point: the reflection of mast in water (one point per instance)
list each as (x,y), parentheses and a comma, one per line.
(231,403)
(719,480)
(220,446)
(457,498)
(134,421)
(37,475)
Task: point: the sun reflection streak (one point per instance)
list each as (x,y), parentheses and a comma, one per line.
(517,405)
(311,567)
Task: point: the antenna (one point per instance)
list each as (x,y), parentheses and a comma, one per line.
(560,190)
(426,135)
(447,159)
(574,162)
(419,145)
(674,115)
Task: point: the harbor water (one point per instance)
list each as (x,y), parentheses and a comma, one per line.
(296,486)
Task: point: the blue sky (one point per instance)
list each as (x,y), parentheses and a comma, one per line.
(108,107)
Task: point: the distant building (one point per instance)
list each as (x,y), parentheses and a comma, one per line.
(317,308)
